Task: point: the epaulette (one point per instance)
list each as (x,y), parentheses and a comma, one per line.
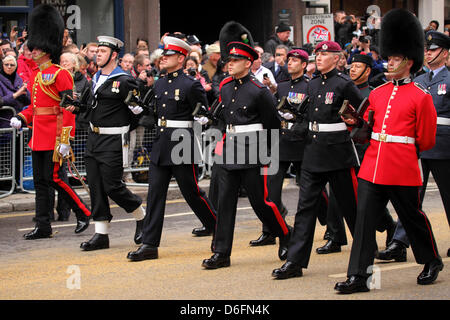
(381,85)
(256,82)
(225,81)
(418,85)
(344,76)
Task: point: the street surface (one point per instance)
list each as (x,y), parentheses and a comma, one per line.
(57,269)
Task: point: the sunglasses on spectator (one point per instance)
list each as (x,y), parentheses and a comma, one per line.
(9,65)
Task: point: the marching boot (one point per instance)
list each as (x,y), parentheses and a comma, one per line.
(145,252)
(330,247)
(139,215)
(353,284)
(430,272)
(38,233)
(201,232)
(264,239)
(82,225)
(395,251)
(100,240)
(288,270)
(284,244)
(218,260)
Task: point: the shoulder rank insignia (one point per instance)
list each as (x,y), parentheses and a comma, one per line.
(418,85)
(115,87)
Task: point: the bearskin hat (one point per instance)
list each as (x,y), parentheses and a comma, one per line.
(233,32)
(401,33)
(46,31)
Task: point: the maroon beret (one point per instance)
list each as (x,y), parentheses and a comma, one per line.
(329,46)
(299,53)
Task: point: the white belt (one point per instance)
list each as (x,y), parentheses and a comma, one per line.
(396,139)
(244,128)
(109,130)
(327,127)
(443,121)
(175,123)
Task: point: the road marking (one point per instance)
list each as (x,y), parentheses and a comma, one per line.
(127,220)
(389,268)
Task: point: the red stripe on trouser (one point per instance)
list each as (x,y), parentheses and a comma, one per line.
(273,206)
(355,183)
(325,196)
(428,226)
(198,192)
(69,190)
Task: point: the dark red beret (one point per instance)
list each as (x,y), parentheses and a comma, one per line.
(299,53)
(329,46)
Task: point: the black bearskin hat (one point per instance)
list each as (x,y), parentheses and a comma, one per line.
(401,33)
(233,31)
(46,31)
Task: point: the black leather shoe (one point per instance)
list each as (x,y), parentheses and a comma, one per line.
(97,242)
(327,235)
(82,225)
(448,252)
(218,260)
(288,270)
(430,272)
(395,251)
(202,232)
(264,239)
(352,285)
(329,247)
(37,233)
(138,233)
(145,252)
(284,245)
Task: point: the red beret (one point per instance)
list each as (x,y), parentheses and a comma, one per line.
(299,53)
(329,46)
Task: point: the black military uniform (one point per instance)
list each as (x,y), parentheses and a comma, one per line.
(177,95)
(291,147)
(248,108)
(329,157)
(107,149)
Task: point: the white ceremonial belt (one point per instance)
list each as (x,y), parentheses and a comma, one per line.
(396,139)
(443,121)
(327,127)
(175,123)
(109,130)
(244,128)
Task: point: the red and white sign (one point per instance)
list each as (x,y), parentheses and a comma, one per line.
(318,28)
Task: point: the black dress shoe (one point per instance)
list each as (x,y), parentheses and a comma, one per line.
(288,270)
(395,251)
(218,260)
(202,232)
(264,239)
(352,285)
(97,242)
(138,234)
(38,233)
(327,235)
(329,247)
(145,252)
(430,272)
(82,225)
(284,245)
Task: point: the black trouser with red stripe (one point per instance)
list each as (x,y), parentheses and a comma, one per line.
(343,183)
(159,179)
(45,175)
(276,189)
(255,184)
(372,198)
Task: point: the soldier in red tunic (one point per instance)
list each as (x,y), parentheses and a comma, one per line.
(53,127)
(404,123)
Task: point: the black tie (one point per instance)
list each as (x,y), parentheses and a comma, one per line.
(431,75)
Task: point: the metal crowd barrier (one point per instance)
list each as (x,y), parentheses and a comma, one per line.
(7,155)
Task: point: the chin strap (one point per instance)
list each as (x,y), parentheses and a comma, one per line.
(361,73)
(400,66)
(442,49)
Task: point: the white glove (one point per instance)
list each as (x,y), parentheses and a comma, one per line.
(64,150)
(287,115)
(136,110)
(15,123)
(202,120)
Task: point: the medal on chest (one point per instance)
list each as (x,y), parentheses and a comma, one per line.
(295,98)
(177,94)
(115,87)
(329,98)
(442,89)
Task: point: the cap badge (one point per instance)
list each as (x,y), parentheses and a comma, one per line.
(233,51)
(430,37)
(325,46)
